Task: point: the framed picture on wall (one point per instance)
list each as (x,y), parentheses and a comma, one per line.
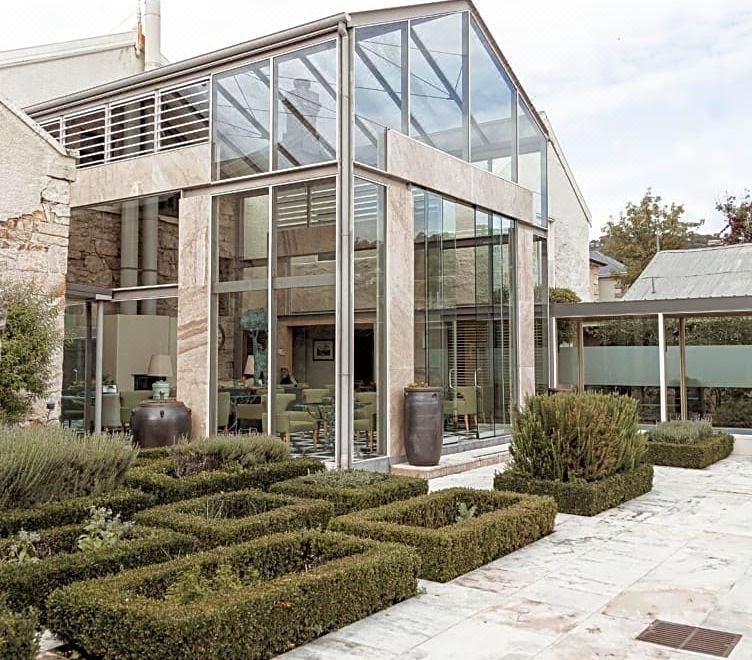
(323,350)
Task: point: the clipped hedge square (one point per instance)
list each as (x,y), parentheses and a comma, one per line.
(448,545)
(583,498)
(293,587)
(29,583)
(155,477)
(228,518)
(696,455)
(353,490)
(19,639)
(66,512)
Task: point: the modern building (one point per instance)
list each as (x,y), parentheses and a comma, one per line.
(298,226)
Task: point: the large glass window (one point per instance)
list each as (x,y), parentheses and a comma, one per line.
(380,73)
(369,334)
(532,161)
(306,106)
(241,121)
(492,105)
(463,318)
(438,79)
(540,316)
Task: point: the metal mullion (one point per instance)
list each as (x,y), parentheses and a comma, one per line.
(271,316)
(466,111)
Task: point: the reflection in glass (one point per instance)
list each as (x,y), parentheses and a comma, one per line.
(438,77)
(532,161)
(492,102)
(369,333)
(241,121)
(380,74)
(306,106)
(463,338)
(540,316)
(242,230)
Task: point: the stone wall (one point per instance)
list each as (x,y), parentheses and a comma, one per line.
(35,178)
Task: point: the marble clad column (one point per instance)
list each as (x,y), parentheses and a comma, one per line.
(194,304)
(525,312)
(400,337)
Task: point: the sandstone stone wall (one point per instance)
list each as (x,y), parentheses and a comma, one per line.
(35,177)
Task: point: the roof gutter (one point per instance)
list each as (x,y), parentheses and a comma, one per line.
(193,64)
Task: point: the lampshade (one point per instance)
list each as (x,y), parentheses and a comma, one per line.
(160,365)
(250,365)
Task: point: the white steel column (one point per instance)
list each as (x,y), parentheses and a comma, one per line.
(99,357)
(344,358)
(683,366)
(662,367)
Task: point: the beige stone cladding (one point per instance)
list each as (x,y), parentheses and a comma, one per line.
(35,178)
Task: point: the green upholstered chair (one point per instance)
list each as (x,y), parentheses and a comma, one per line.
(130,399)
(364,421)
(315,394)
(464,404)
(292,421)
(253,412)
(224,406)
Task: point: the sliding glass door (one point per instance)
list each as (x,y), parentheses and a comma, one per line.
(462,335)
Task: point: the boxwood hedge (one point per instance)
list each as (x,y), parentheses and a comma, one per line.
(155,477)
(584,498)
(448,543)
(229,518)
(64,512)
(353,491)
(29,583)
(695,455)
(19,639)
(295,587)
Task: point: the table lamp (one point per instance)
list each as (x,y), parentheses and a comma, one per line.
(160,366)
(250,369)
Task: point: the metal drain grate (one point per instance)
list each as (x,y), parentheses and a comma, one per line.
(690,638)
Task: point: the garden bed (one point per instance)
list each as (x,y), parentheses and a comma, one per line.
(695,455)
(74,510)
(228,518)
(253,600)
(455,530)
(19,639)
(353,490)
(157,477)
(58,561)
(583,498)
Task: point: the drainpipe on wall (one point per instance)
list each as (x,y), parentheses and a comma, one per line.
(153,41)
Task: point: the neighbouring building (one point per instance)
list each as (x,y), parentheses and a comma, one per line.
(35,177)
(302,224)
(610,272)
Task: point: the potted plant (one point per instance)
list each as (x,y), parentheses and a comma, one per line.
(424,423)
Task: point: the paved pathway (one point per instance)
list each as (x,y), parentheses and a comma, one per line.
(681,553)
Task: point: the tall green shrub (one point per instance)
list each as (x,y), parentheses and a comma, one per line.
(27,345)
(43,464)
(577,437)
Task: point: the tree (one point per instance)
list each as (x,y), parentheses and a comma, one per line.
(29,341)
(633,239)
(738,213)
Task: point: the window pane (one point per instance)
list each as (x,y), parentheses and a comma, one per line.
(241,121)
(438,70)
(306,106)
(540,319)
(242,230)
(532,161)
(368,332)
(379,77)
(492,103)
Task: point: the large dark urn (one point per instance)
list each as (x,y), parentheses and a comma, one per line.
(160,423)
(424,424)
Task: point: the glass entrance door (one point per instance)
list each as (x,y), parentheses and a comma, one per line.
(461,336)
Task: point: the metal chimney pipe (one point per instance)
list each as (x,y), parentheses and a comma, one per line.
(153,40)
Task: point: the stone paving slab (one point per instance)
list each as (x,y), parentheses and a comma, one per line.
(682,552)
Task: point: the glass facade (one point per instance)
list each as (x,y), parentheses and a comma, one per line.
(464,311)
(276,114)
(439,80)
(277,352)
(540,316)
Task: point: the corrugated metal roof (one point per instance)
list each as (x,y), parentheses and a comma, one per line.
(714,272)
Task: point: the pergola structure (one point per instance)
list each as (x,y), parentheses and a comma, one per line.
(660,309)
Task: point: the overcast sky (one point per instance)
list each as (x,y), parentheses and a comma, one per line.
(640,92)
